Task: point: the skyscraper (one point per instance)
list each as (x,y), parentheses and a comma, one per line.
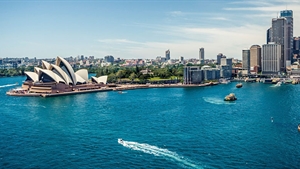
(288,14)
(271,58)
(168,54)
(246,60)
(219,56)
(255,58)
(281,33)
(296,49)
(269,35)
(201,55)
(279,36)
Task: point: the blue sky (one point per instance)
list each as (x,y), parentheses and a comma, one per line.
(137,28)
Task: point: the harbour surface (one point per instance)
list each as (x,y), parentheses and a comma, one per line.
(161,128)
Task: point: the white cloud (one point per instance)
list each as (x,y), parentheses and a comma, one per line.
(216,32)
(116,41)
(176,13)
(219,18)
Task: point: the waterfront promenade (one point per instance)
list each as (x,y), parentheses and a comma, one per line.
(110,87)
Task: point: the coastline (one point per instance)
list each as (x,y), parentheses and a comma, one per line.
(24,93)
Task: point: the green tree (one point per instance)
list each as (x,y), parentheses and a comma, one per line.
(132,76)
(112,78)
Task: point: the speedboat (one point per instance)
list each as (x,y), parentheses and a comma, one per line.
(239,85)
(278,83)
(120,141)
(230,97)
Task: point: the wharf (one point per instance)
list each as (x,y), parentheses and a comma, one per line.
(75,92)
(131,87)
(26,94)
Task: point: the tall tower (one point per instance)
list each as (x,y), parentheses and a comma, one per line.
(282,33)
(168,54)
(201,55)
(246,59)
(255,58)
(288,14)
(279,36)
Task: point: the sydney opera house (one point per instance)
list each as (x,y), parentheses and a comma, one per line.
(59,78)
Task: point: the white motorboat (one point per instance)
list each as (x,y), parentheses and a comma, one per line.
(224,81)
(278,83)
(120,141)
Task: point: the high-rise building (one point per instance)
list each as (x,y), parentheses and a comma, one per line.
(296,49)
(219,56)
(288,15)
(255,58)
(168,54)
(246,60)
(279,36)
(271,58)
(181,58)
(109,58)
(269,35)
(296,45)
(201,55)
(281,33)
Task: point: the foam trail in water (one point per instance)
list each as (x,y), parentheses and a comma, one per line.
(213,100)
(7,85)
(149,149)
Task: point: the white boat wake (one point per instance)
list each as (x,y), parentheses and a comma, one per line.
(149,149)
(213,100)
(8,85)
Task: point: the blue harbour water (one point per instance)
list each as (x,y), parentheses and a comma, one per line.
(161,128)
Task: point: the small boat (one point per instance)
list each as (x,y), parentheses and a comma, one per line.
(299,127)
(230,97)
(120,141)
(120,92)
(278,83)
(224,81)
(239,85)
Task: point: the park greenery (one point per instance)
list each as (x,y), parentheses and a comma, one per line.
(118,74)
(141,74)
(16,71)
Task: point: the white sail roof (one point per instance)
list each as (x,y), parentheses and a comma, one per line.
(62,73)
(45,65)
(79,79)
(101,79)
(51,74)
(67,68)
(83,73)
(33,76)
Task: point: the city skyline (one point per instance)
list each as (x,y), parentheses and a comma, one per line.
(135,29)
